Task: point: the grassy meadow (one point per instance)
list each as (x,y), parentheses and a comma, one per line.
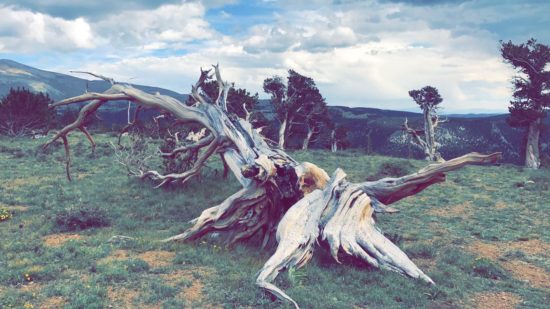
(483,236)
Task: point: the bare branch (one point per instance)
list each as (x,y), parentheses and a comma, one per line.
(184,177)
(223,88)
(195,88)
(199,144)
(391,190)
(105,78)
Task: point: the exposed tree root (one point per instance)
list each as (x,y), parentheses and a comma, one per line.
(341,214)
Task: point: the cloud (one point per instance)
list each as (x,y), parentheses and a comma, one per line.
(96,9)
(168,26)
(309,30)
(361,53)
(25,31)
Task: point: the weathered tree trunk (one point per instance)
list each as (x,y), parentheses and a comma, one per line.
(429,135)
(369,142)
(307,139)
(532,155)
(298,201)
(428,144)
(282,133)
(333,141)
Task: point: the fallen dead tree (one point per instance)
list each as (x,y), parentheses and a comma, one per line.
(296,202)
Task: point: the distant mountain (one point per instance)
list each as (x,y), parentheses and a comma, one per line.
(461,134)
(58,86)
(474,115)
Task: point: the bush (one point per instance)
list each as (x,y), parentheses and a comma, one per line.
(487,269)
(80,218)
(392,169)
(23,112)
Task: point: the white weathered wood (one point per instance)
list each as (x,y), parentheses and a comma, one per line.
(297,200)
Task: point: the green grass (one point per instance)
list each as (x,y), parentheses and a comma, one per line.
(435,227)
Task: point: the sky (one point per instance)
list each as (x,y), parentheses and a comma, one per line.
(360,53)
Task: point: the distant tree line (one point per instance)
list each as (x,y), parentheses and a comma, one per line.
(301,112)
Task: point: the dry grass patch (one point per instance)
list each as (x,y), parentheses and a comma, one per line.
(117,255)
(464,210)
(121,297)
(31,287)
(27,181)
(524,271)
(501,205)
(14,208)
(157,258)
(532,246)
(192,294)
(188,274)
(56,240)
(487,250)
(55,302)
(494,250)
(500,300)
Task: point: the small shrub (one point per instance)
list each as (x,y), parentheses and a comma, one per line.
(487,269)
(80,218)
(136,265)
(392,169)
(5,214)
(113,273)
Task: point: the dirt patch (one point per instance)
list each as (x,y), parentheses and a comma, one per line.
(501,300)
(56,240)
(486,250)
(117,255)
(532,246)
(121,297)
(188,274)
(193,293)
(463,210)
(494,250)
(55,302)
(158,258)
(532,274)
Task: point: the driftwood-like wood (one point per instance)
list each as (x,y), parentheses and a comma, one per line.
(298,203)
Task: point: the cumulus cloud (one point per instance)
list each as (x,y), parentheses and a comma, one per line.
(361,53)
(168,26)
(25,31)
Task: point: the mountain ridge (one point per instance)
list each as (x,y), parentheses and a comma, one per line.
(372,129)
